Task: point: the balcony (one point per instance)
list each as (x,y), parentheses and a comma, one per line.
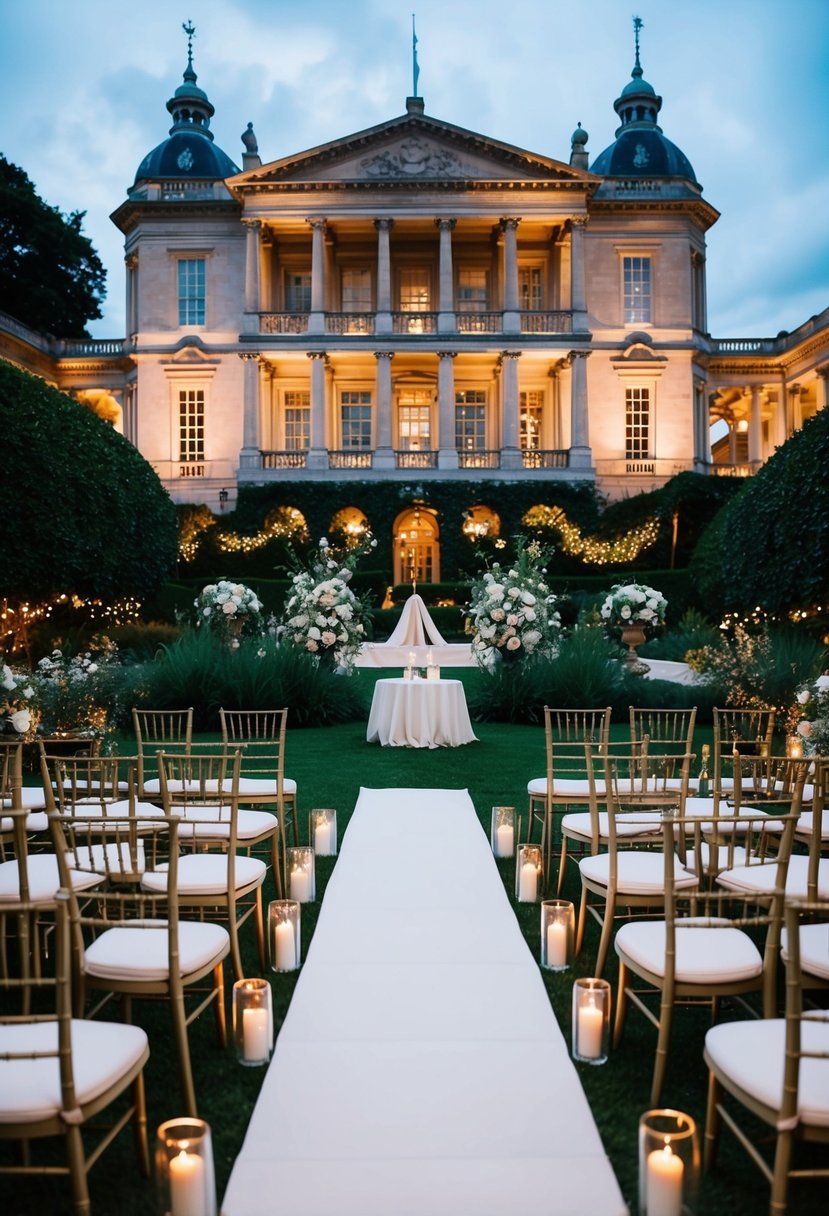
(739,469)
(540,458)
(555,322)
(349,322)
(284,460)
(479,322)
(350,459)
(480,458)
(424,459)
(283,322)
(414,322)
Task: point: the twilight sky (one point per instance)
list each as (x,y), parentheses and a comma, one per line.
(744,83)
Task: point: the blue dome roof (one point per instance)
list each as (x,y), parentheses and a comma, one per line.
(643,152)
(186,154)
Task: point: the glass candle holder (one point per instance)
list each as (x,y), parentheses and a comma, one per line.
(284,934)
(503,831)
(558,928)
(299,864)
(794,747)
(252,1022)
(591,1020)
(432,672)
(322,832)
(529,872)
(184,1168)
(668,1163)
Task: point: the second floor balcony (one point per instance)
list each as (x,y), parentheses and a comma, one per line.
(548,322)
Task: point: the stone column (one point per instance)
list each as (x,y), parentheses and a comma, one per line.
(266,245)
(250,456)
(511,321)
(795,413)
(702,429)
(755,429)
(821,389)
(316,321)
(510,451)
(578,296)
(551,436)
(252,270)
(382,322)
(383,452)
(446,281)
(447,450)
(317,451)
(580,455)
(131,264)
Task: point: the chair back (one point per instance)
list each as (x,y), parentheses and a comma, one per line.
(260,735)
(243,725)
(11,773)
(669,730)
(200,791)
(739,732)
(566,732)
(797,914)
(102,785)
(157,729)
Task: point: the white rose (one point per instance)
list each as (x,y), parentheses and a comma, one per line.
(206,611)
(529,614)
(804,728)
(229,608)
(314,634)
(803,697)
(328,638)
(527,597)
(8,678)
(624,611)
(822,683)
(512,620)
(497,614)
(21,720)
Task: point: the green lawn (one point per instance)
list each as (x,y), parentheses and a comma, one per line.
(330,765)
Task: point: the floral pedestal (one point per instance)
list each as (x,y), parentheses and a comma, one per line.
(633,636)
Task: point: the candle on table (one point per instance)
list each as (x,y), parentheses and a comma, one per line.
(187,1185)
(322,837)
(591,1026)
(504,840)
(255,1045)
(556,944)
(284,946)
(430,662)
(528,883)
(663,1183)
(300,885)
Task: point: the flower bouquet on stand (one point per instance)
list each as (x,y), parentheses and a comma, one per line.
(231,610)
(323,615)
(512,613)
(633,613)
(19,705)
(811,717)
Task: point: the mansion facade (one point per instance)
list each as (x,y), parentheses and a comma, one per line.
(418,302)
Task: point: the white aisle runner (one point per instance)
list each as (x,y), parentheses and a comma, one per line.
(420,1070)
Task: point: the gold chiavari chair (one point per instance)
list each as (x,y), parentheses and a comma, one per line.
(159,730)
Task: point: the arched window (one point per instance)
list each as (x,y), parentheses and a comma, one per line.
(350,523)
(416,546)
(480,521)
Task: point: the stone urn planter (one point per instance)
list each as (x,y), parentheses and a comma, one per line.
(633,636)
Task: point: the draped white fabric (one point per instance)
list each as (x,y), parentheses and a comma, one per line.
(420,1070)
(416,633)
(419,713)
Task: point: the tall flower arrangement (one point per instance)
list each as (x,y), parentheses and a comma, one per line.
(322,614)
(19,704)
(811,716)
(512,611)
(231,610)
(633,604)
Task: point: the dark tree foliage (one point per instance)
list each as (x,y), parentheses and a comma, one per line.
(769,547)
(83,511)
(51,278)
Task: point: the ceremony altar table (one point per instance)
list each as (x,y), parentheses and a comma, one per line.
(419,713)
(420,1070)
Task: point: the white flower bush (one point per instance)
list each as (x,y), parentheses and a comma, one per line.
(512,612)
(811,712)
(634,604)
(19,704)
(73,691)
(230,609)
(323,615)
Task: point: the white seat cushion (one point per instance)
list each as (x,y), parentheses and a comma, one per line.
(761,878)
(638,873)
(703,955)
(752,1055)
(101,1053)
(718,856)
(140,953)
(36,821)
(32,798)
(635,823)
(212,822)
(814,950)
(153,786)
(803,828)
(91,808)
(44,879)
(563,787)
(206,874)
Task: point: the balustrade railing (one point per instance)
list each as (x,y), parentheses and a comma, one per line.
(283,322)
(536,321)
(479,322)
(424,459)
(350,460)
(545,458)
(481,458)
(414,322)
(349,322)
(284,460)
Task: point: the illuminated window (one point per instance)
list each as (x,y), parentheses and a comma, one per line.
(355,419)
(637,423)
(298,292)
(472,290)
(351,523)
(297,421)
(191,425)
(191,291)
(415,293)
(637,289)
(480,521)
(530,412)
(356,291)
(530,295)
(414,413)
(470,420)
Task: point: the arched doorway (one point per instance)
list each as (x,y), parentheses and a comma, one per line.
(480,521)
(417,546)
(351,523)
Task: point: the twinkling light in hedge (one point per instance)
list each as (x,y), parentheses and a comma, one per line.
(591,550)
(16,620)
(283,522)
(192,526)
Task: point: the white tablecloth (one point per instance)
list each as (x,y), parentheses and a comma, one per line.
(419,713)
(420,1070)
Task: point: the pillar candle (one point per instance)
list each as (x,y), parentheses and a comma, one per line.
(284,946)
(322,837)
(663,1183)
(504,840)
(528,883)
(300,885)
(187,1185)
(556,944)
(255,1045)
(591,1025)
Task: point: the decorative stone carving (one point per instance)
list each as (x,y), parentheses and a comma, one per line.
(415,157)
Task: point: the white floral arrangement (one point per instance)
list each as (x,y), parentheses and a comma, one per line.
(512,612)
(19,707)
(71,689)
(323,615)
(812,714)
(231,609)
(634,604)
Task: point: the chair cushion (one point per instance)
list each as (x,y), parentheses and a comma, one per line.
(206,874)
(703,955)
(635,823)
(575,787)
(90,808)
(803,828)
(212,822)
(36,821)
(32,798)
(751,1054)
(44,879)
(761,878)
(101,1053)
(638,872)
(718,856)
(140,953)
(814,950)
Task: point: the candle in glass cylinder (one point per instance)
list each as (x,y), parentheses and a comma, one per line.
(591,1026)
(663,1183)
(556,944)
(284,946)
(322,837)
(255,1027)
(300,884)
(187,1186)
(504,840)
(528,883)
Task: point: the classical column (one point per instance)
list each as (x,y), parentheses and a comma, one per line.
(822,390)
(266,246)
(578,297)
(510,451)
(317,452)
(511,321)
(446,282)
(383,451)
(316,321)
(580,454)
(131,264)
(702,428)
(382,324)
(250,456)
(795,412)
(252,228)
(755,429)
(551,435)
(447,449)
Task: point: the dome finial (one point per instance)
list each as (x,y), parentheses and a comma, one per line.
(190,31)
(637,25)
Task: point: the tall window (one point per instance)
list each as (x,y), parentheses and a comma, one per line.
(297,421)
(530,411)
(355,420)
(191,291)
(298,292)
(637,289)
(472,290)
(356,291)
(470,420)
(637,423)
(414,410)
(191,425)
(415,293)
(530,294)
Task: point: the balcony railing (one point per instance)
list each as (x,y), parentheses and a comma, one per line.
(424,459)
(479,322)
(350,459)
(532,321)
(539,322)
(741,469)
(414,322)
(283,322)
(481,458)
(540,458)
(349,322)
(284,460)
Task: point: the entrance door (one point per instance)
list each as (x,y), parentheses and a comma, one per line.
(416,547)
